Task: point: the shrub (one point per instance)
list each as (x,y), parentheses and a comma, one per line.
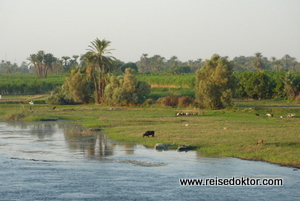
(185,101)
(126,91)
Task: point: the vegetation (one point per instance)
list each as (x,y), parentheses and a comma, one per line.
(212,84)
(29,84)
(99,64)
(127,91)
(215,83)
(214,132)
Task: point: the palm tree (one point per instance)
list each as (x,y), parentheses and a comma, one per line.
(257,62)
(49,60)
(99,62)
(36,60)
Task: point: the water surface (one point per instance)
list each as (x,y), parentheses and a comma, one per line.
(53,161)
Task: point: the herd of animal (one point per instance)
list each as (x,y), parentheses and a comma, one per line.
(281,117)
(185,113)
(185,147)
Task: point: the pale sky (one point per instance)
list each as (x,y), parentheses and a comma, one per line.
(188,29)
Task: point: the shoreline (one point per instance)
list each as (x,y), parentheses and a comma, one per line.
(205,131)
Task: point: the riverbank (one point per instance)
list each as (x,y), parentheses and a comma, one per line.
(231,133)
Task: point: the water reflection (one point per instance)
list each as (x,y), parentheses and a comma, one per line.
(41,130)
(93,144)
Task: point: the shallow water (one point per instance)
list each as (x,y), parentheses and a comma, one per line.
(52,161)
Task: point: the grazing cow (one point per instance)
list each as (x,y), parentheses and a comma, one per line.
(261,141)
(148,133)
(269,115)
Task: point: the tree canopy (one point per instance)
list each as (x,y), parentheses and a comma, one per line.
(215,83)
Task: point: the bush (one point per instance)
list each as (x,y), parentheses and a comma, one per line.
(171,101)
(185,101)
(127,91)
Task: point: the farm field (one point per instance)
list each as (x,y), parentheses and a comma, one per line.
(220,133)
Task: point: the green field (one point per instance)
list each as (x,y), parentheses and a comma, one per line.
(221,133)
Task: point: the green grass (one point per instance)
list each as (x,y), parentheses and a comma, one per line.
(159,92)
(213,132)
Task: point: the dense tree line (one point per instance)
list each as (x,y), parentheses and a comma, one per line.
(43,63)
(6,67)
(98,77)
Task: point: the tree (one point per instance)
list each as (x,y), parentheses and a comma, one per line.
(258,86)
(258,62)
(42,63)
(126,91)
(144,63)
(99,62)
(291,85)
(183,69)
(129,65)
(66,58)
(78,87)
(215,83)
(49,59)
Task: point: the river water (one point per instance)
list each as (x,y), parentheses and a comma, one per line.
(53,161)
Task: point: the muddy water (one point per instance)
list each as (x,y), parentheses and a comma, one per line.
(52,161)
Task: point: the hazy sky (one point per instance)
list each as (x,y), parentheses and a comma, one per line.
(188,29)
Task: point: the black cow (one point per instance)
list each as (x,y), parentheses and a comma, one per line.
(148,133)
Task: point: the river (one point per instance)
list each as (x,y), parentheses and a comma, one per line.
(53,161)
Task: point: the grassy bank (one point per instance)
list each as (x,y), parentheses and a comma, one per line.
(224,133)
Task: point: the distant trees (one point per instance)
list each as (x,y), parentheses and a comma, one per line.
(258,62)
(9,68)
(129,65)
(268,84)
(215,83)
(256,85)
(158,63)
(43,63)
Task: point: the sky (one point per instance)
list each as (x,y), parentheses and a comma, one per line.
(188,29)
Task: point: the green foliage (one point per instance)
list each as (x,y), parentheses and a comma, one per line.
(160,79)
(257,85)
(126,91)
(159,92)
(267,84)
(183,69)
(79,87)
(292,86)
(29,84)
(100,63)
(129,65)
(215,83)
(60,96)
(176,101)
